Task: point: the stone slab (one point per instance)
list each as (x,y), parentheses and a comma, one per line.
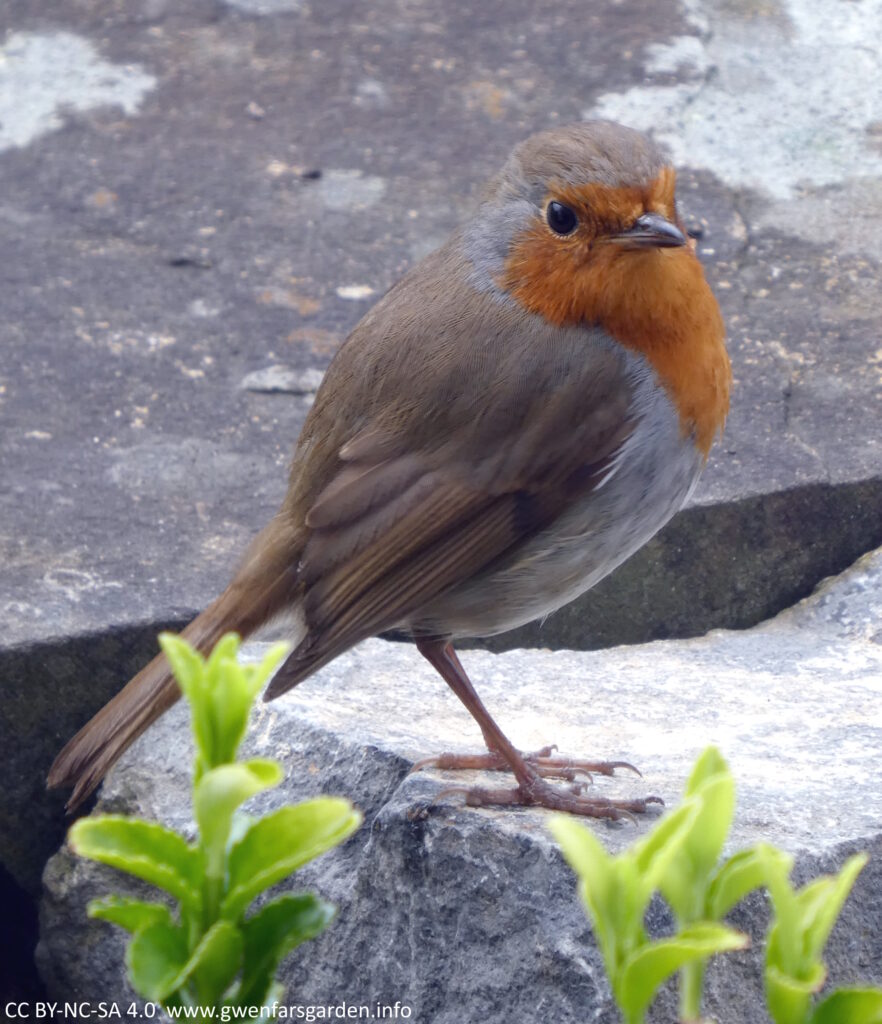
(455,911)
(165,237)
(212,189)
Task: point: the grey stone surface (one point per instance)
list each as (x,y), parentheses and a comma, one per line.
(471,914)
(166,233)
(34,725)
(280,378)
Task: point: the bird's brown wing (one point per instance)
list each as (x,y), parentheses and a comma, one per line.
(405,516)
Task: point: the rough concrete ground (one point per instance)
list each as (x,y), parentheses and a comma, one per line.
(471,914)
(168,242)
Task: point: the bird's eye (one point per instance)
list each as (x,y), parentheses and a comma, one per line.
(561,219)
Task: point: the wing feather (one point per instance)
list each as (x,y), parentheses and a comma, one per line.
(447,535)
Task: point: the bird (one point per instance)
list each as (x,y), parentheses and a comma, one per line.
(513,419)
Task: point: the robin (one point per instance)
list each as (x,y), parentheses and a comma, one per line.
(511,421)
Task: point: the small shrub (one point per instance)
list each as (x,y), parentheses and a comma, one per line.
(212,948)
(680,858)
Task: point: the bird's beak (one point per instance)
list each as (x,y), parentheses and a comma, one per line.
(650,231)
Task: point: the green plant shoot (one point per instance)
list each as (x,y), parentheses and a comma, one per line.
(696,886)
(850,1006)
(616,892)
(803,920)
(681,858)
(212,948)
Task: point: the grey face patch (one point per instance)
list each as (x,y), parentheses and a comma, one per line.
(488,236)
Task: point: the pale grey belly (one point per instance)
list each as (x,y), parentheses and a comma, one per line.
(655,474)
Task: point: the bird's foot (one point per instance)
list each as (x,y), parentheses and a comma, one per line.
(570,769)
(536,792)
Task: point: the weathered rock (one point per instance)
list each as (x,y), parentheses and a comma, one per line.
(273,379)
(161,243)
(453,910)
(44,690)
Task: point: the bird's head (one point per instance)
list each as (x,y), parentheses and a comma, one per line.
(581,228)
(574,211)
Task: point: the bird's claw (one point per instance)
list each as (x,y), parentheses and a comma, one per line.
(542,761)
(535,790)
(541,794)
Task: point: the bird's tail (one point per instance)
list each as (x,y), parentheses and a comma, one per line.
(263,587)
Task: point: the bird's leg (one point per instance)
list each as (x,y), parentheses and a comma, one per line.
(494,760)
(532,787)
(567,768)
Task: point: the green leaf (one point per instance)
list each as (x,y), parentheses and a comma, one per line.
(789,999)
(598,886)
(784,947)
(258,673)
(708,834)
(231,691)
(133,915)
(685,883)
(154,958)
(272,933)
(220,692)
(802,924)
(655,853)
(740,874)
(709,764)
(275,846)
(821,902)
(143,849)
(228,701)
(217,795)
(250,680)
(655,962)
(188,667)
(584,853)
(214,963)
(617,890)
(226,649)
(850,1006)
